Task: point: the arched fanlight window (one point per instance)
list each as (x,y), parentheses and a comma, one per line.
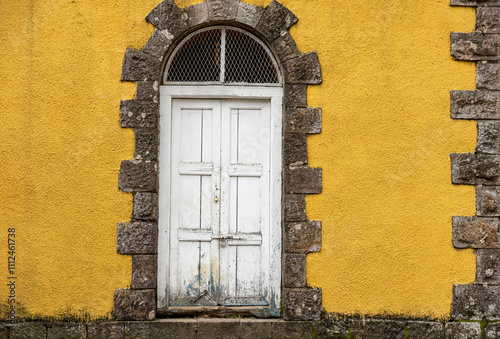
(222,55)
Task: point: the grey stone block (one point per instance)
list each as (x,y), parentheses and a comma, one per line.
(218,328)
(136,238)
(302,304)
(488,20)
(295,207)
(67,331)
(475,2)
(476,302)
(379,329)
(219,10)
(249,14)
(255,328)
(303,180)
(462,168)
(139,66)
(291,330)
(138,176)
(487,169)
(423,329)
(294,149)
(164,328)
(488,266)
(463,330)
(135,304)
(158,43)
(478,105)
(28,331)
(285,47)
(488,201)
(492,331)
(146,206)
(295,95)
(106,330)
(488,137)
(302,237)
(143,271)
(304,69)
(277,19)
(303,120)
(136,114)
(475,46)
(474,232)
(330,327)
(167,17)
(146,144)
(294,270)
(196,14)
(488,75)
(4,332)
(147,91)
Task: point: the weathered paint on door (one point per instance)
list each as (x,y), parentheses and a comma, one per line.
(221,183)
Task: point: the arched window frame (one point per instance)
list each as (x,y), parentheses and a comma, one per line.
(140,176)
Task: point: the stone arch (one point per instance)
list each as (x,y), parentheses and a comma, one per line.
(140,176)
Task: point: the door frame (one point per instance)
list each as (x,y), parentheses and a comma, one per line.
(273,93)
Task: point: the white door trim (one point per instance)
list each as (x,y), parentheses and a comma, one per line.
(275,95)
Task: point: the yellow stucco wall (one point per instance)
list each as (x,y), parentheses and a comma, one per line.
(387,196)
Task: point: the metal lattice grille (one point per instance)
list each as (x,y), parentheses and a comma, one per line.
(247,61)
(222,55)
(198,59)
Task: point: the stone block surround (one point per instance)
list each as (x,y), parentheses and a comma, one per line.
(480,300)
(140,175)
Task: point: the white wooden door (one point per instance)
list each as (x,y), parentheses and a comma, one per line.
(220,194)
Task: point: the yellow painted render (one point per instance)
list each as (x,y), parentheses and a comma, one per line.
(387,198)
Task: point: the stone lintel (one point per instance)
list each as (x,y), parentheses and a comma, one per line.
(249,14)
(222,10)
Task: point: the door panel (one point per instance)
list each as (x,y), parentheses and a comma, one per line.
(220,213)
(194,172)
(243,178)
